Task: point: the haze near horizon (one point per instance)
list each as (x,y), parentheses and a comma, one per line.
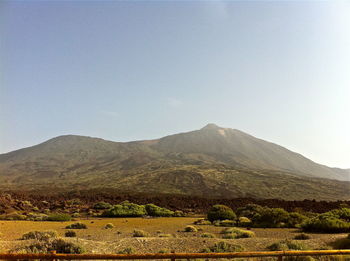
(126,71)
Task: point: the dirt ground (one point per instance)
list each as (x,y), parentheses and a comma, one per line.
(97,239)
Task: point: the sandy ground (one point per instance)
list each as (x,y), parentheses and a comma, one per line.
(96,239)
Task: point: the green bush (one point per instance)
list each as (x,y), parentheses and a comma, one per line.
(341,213)
(140,233)
(302,236)
(109,226)
(326,223)
(59,245)
(102,205)
(59,217)
(77,226)
(70,233)
(222,247)
(190,229)
(40,235)
(125,209)
(221,212)
(155,211)
(287,245)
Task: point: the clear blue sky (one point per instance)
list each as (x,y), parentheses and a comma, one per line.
(141,70)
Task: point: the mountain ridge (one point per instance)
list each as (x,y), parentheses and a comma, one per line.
(211,161)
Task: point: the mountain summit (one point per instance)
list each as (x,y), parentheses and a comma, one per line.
(212,161)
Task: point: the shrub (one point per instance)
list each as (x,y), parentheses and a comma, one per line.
(140,233)
(222,247)
(341,213)
(190,229)
(287,245)
(77,226)
(125,209)
(59,217)
(128,250)
(109,226)
(70,233)
(155,211)
(102,205)
(202,221)
(244,222)
(326,223)
(37,217)
(59,245)
(236,233)
(302,236)
(227,223)
(221,212)
(179,213)
(164,251)
(208,235)
(40,235)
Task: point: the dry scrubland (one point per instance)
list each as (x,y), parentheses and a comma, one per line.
(165,235)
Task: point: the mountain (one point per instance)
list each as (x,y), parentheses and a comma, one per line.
(210,162)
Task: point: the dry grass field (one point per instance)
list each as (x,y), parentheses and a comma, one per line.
(165,234)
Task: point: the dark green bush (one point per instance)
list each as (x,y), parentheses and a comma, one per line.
(155,211)
(59,217)
(102,205)
(77,226)
(125,209)
(269,217)
(222,247)
(302,236)
(221,212)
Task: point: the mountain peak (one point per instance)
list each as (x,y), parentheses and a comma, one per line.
(211,126)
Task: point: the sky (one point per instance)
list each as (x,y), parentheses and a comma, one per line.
(133,70)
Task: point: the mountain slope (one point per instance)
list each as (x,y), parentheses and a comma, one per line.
(236,147)
(210,162)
